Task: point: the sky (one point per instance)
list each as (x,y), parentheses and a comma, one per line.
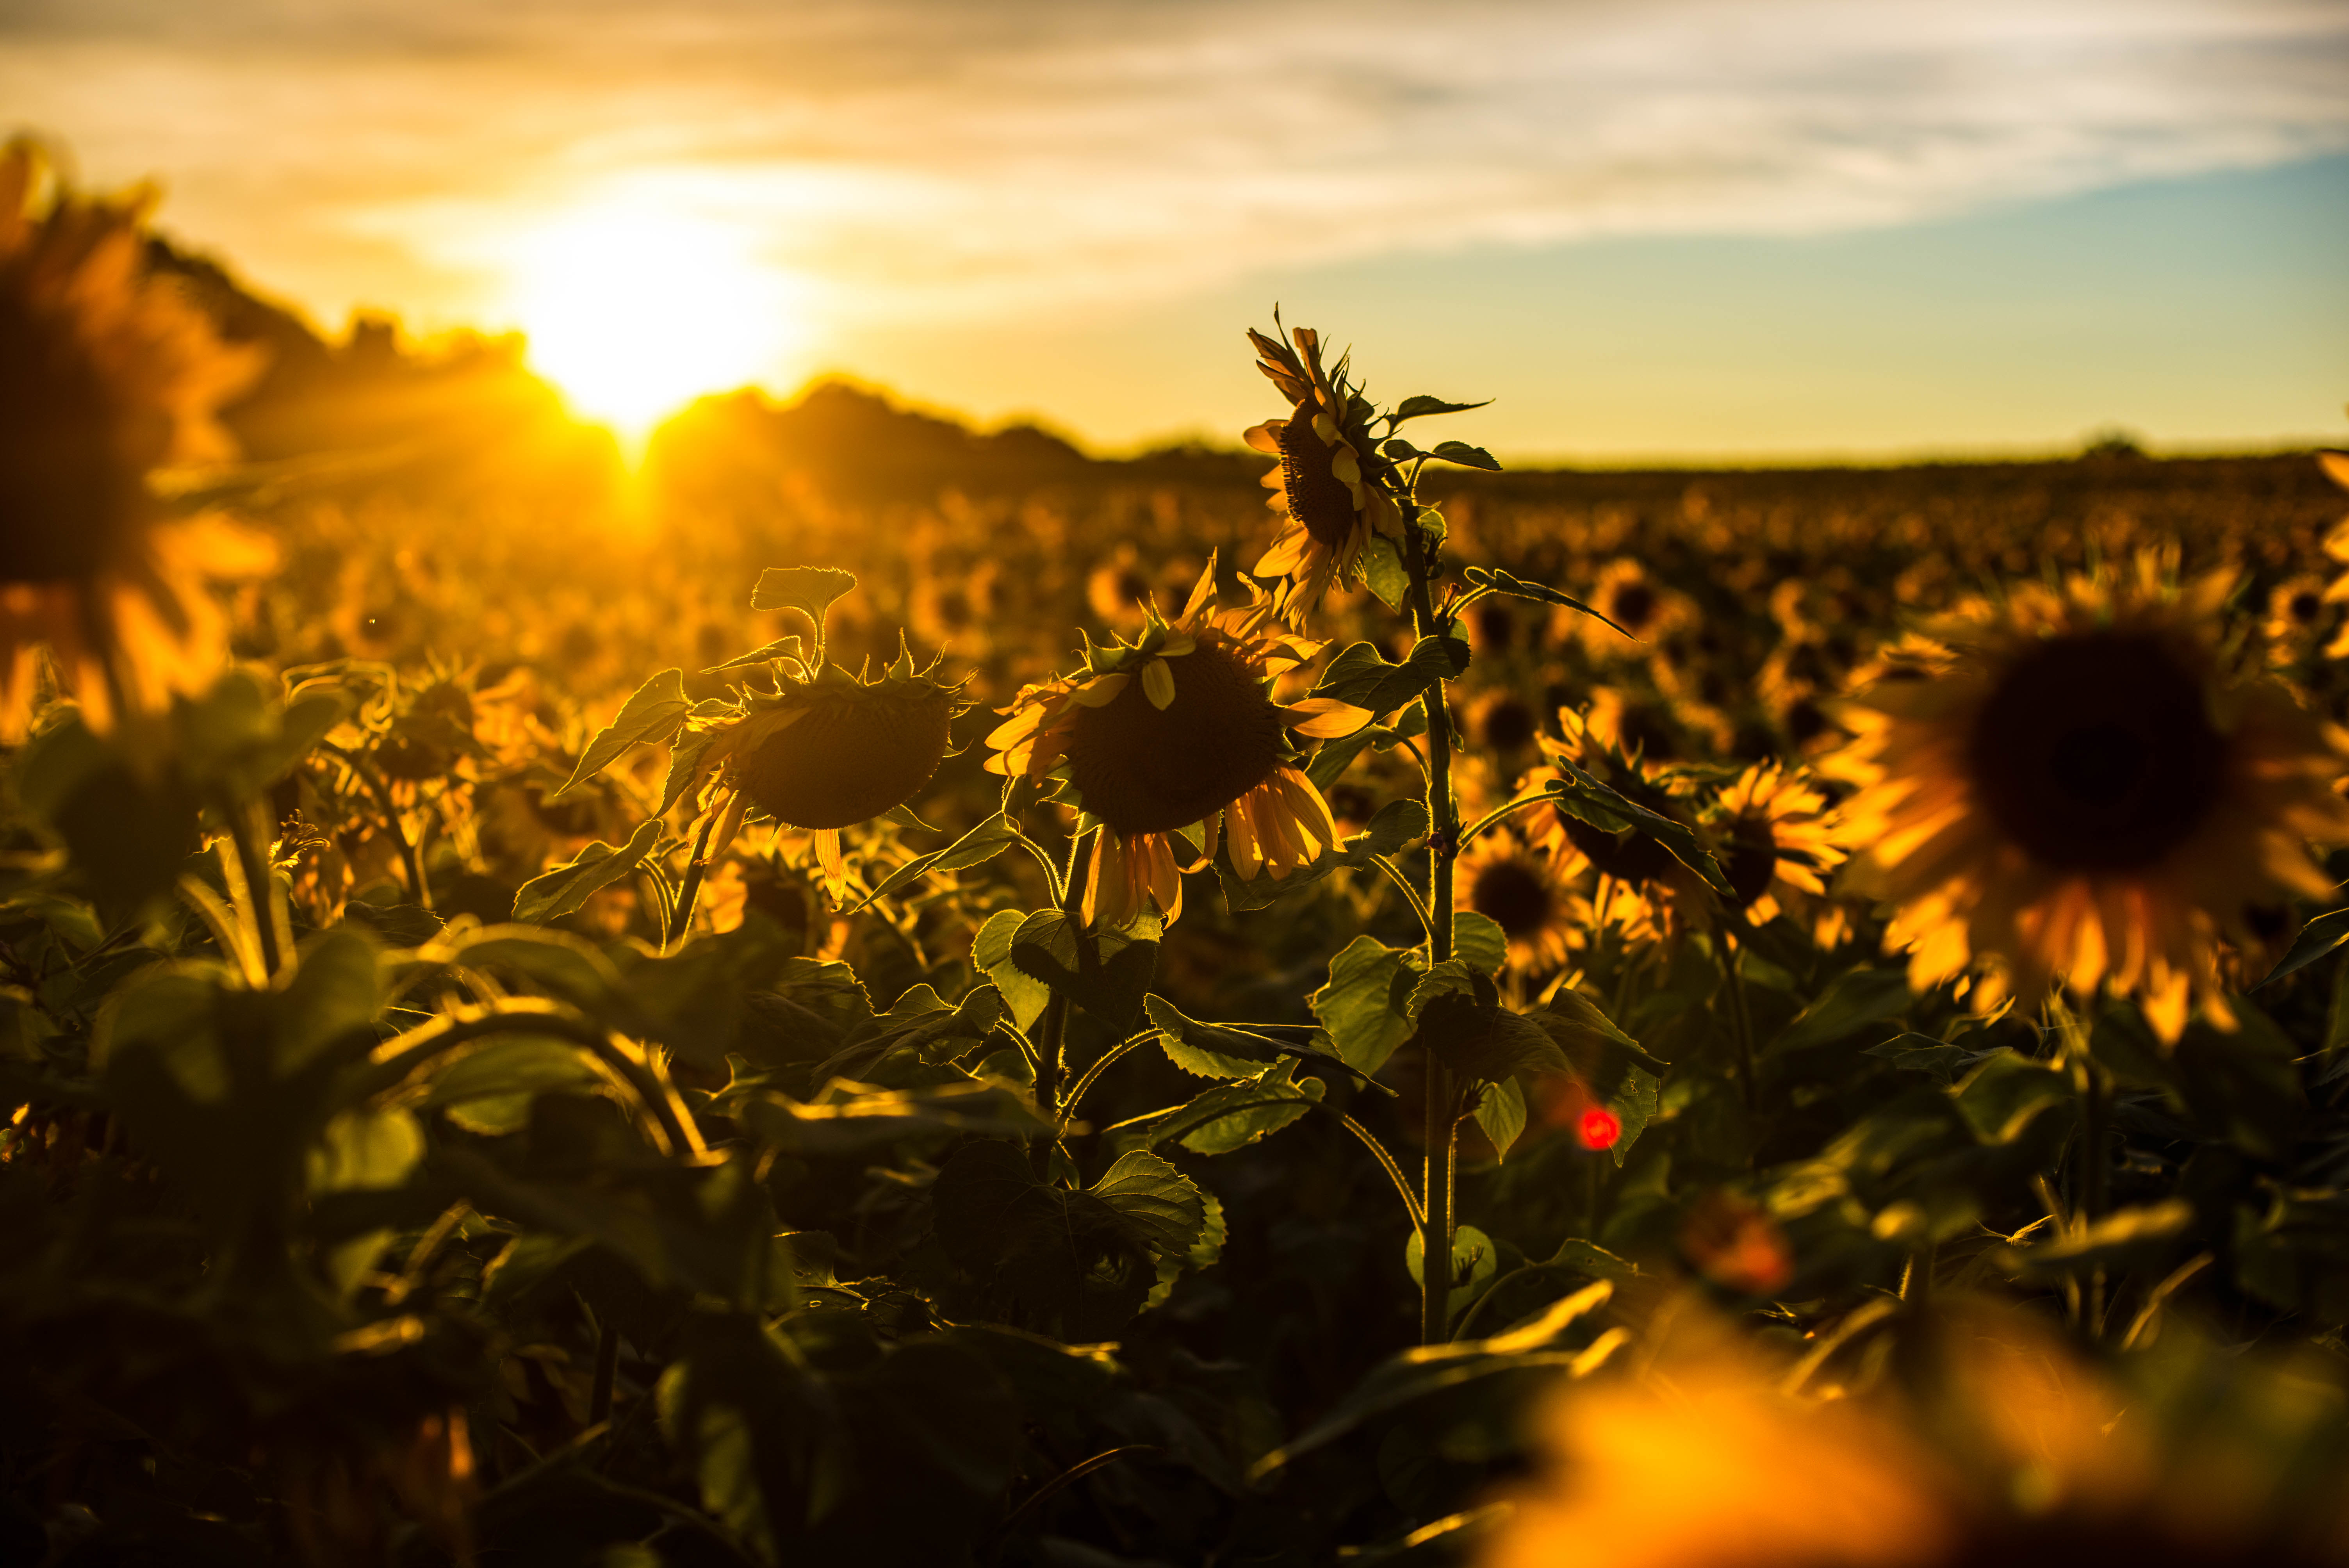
(1650,230)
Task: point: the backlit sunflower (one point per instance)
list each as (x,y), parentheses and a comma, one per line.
(1324,486)
(108,374)
(1174,730)
(1626,594)
(1774,836)
(1518,890)
(825,750)
(1641,887)
(2071,789)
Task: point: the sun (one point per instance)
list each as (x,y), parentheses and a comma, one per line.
(633,307)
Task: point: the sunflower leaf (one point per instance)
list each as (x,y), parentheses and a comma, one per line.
(566,888)
(1466,456)
(1500,582)
(810,590)
(1360,675)
(656,712)
(975,847)
(2318,938)
(1587,799)
(1382,569)
(1420,406)
(781,649)
(1224,1050)
(1501,1112)
(1366,1005)
(1235,1114)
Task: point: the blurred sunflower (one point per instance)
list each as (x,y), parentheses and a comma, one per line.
(1628,595)
(1173,729)
(108,374)
(1642,887)
(825,750)
(2295,620)
(1518,890)
(1774,835)
(2070,787)
(1321,487)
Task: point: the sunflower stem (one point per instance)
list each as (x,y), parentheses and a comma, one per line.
(1052,1038)
(690,893)
(271,933)
(1440,1111)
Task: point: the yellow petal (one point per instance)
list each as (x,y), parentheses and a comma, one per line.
(1100,693)
(1266,438)
(1325,717)
(1158,683)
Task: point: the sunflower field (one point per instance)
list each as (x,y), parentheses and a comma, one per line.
(855,992)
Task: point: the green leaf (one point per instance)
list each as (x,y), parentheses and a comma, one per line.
(1479,940)
(1923,1053)
(657,711)
(990,955)
(1075,1264)
(1233,1115)
(1859,999)
(975,847)
(1106,973)
(1360,676)
(810,590)
(1430,1370)
(1383,569)
(1482,1041)
(2003,1096)
(1501,1112)
(1475,1259)
(843,1121)
(781,649)
(1366,1003)
(1222,1050)
(1420,405)
(568,887)
(128,830)
(370,1147)
(2318,938)
(1501,581)
(1587,799)
(763,1435)
(1466,456)
(489,1090)
(2129,1237)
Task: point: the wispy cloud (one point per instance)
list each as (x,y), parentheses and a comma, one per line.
(948,162)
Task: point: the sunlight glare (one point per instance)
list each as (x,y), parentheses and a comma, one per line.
(634,307)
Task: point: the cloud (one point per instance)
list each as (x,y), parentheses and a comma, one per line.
(953,162)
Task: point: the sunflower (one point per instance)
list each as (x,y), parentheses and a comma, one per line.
(1642,887)
(2071,789)
(1774,835)
(1518,890)
(1626,594)
(1324,486)
(2295,620)
(1174,730)
(108,373)
(825,750)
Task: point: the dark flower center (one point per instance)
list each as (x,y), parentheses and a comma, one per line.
(1318,498)
(69,496)
(1506,724)
(1752,861)
(2096,752)
(1634,603)
(1496,626)
(2305,605)
(851,758)
(1513,896)
(1143,768)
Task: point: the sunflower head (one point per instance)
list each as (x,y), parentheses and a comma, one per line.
(1176,728)
(829,748)
(108,373)
(1520,891)
(2073,786)
(1776,840)
(1328,485)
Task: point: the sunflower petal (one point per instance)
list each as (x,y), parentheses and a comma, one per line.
(1325,717)
(1102,690)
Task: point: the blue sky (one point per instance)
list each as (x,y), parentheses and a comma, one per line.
(1698,229)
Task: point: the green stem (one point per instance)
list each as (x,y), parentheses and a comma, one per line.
(1387,1163)
(682,916)
(1740,1017)
(1100,1064)
(1493,817)
(268,922)
(1441,1110)
(1051,1037)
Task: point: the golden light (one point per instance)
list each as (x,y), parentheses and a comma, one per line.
(634,307)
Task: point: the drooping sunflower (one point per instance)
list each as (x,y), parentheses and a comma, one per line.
(1776,836)
(824,751)
(1505,882)
(1174,730)
(1324,486)
(109,373)
(2073,788)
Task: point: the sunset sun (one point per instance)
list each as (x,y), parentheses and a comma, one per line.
(633,309)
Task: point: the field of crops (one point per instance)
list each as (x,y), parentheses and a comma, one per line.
(857,992)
